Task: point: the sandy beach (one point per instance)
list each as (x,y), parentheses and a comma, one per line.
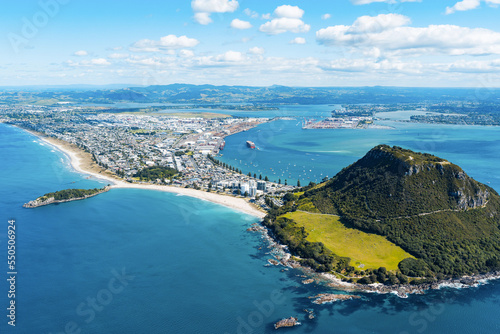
(82,162)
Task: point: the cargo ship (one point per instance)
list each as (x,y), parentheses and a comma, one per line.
(250,144)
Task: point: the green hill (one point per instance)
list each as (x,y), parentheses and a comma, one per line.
(426,205)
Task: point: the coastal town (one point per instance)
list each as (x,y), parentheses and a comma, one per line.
(127,143)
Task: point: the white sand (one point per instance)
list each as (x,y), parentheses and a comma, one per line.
(238,204)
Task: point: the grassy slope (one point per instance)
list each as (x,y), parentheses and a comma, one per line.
(369,249)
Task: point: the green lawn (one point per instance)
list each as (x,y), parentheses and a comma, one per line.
(372,251)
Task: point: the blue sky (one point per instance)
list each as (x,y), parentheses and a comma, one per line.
(251,42)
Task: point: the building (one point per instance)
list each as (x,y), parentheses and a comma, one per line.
(261,185)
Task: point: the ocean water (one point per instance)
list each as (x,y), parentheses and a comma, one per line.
(137,261)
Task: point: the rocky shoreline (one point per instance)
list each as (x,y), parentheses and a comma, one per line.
(284,258)
(51,200)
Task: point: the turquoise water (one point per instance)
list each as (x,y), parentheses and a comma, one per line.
(190,266)
(286,151)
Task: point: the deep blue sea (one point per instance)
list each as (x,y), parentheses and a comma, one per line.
(137,261)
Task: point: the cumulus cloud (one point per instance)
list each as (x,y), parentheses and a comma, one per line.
(256,51)
(168,42)
(203,18)
(382,22)
(230,56)
(465,5)
(214,6)
(203,9)
(81,53)
(239,24)
(298,40)
(326,16)
(288,19)
(284,24)
(389,35)
(293,12)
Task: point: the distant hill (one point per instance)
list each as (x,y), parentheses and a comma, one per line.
(426,205)
(185,93)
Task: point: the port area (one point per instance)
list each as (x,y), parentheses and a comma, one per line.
(339,123)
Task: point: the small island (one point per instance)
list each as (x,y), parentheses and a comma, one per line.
(67,195)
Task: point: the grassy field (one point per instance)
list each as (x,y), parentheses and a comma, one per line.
(372,251)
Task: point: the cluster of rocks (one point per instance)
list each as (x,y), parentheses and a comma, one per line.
(288,322)
(324,298)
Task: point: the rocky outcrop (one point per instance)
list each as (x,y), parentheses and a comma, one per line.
(466,202)
(289,322)
(330,298)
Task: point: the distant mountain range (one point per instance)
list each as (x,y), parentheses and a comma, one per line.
(185,93)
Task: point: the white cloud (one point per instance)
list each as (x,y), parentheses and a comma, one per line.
(288,20)
(463,66)
(81,53)
(389,35)
(168,42)
(239,24)
(465,5)
(118,55)
(186,53)
(100,61)
(284,24)
(230,56)
(382,22)
(203,18)
(203,9)
(256,51)
(227,59)
(214,6)
(298,40)
(88,63)
(292,12)
(149,62)
(326,16)
(251,13)
(366,65)
(266,16)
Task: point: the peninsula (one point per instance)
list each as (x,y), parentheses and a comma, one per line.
(393,217)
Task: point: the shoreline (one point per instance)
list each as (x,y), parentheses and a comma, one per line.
(76,157)
(284,258)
